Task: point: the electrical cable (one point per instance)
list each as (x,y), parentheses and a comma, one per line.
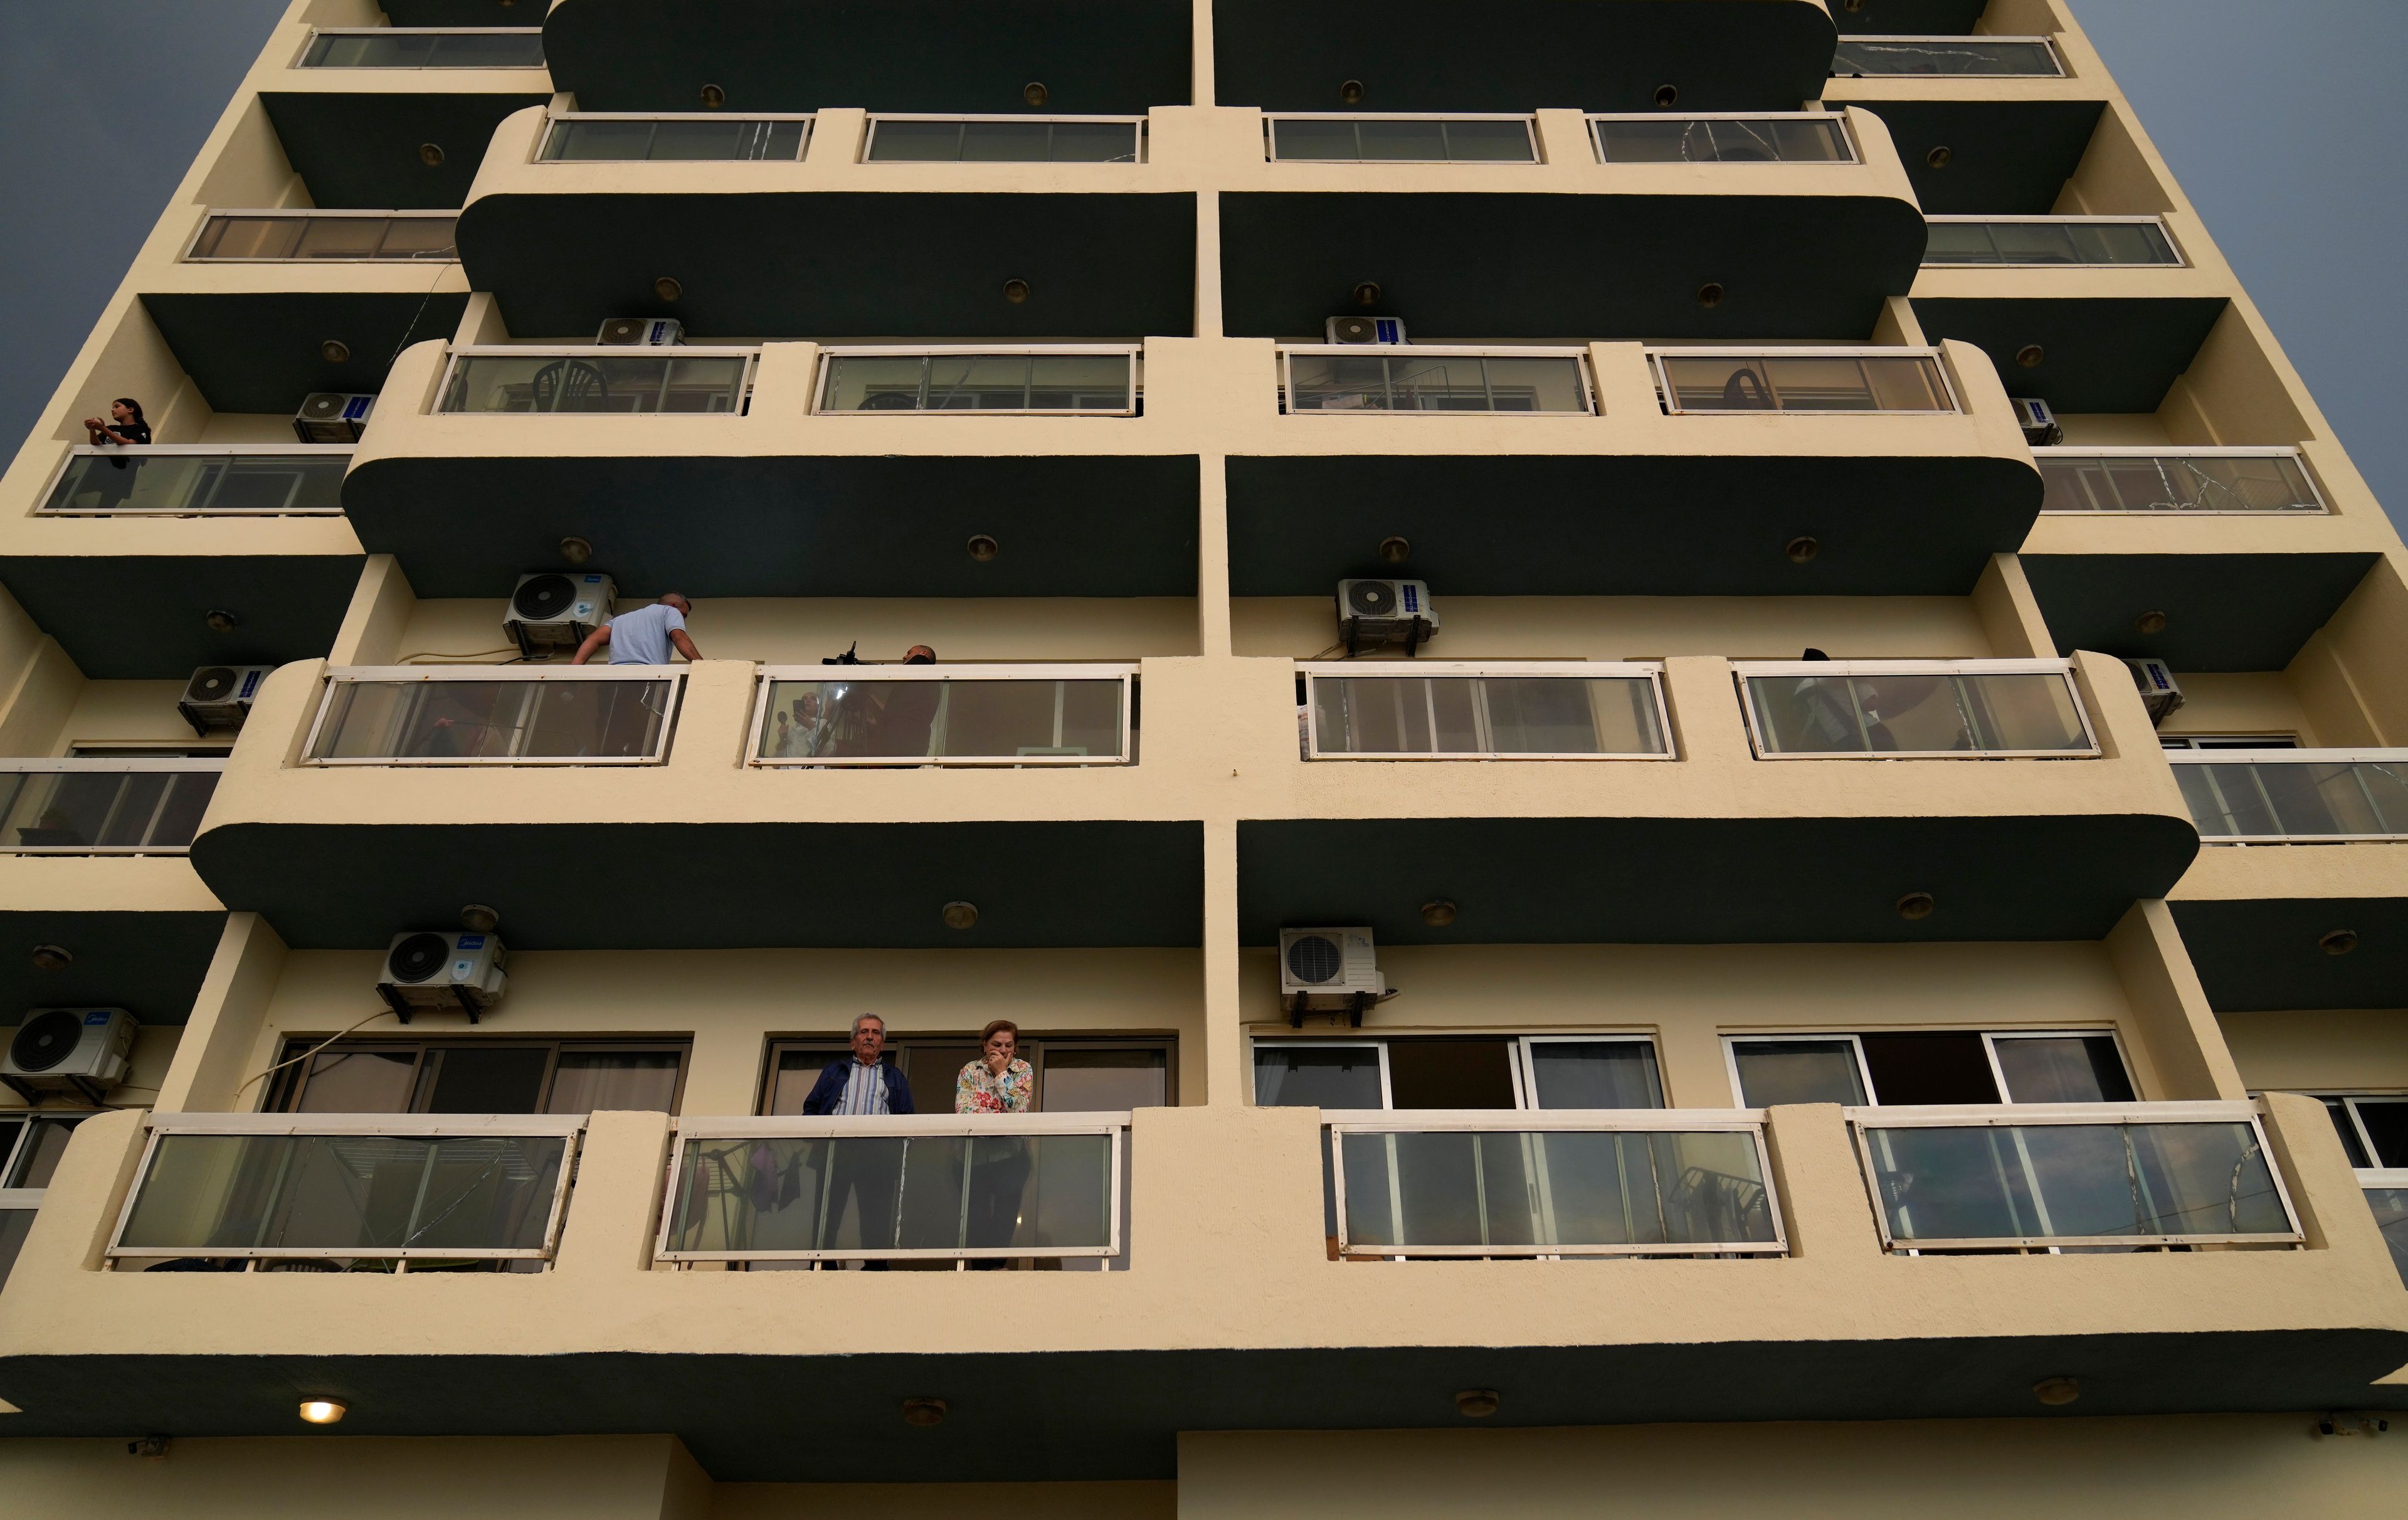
(511,650)
(314,1050)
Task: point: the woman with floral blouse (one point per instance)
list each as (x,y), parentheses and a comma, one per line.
(998,1081)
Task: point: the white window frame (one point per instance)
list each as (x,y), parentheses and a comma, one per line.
(869,135)
(866,1127)
(751,355)
(1650,671)
(414,1125)
(553,114)
(311,213)
(395,675)
(1990,1039)
(1529,123)
(1525,1071)
(2348,1098)
(1847,135)
(2218,743)
(155,451)
(2182,261)
(1759,1037)
(2179,450)
(1287,351)
(1670,399)
(185,765)
(1742,671)
(2055,53)
(769,675)
(1863,1121)
(299,59)
(1134,353)
(2291,757)
(1339,1123)
(1865,1072)
(1387,1093)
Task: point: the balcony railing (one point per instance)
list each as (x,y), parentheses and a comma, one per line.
(936,1187)
(2274,796)
(2072,1175)
(372,1191)
(1352,380)
(2386,1195)
(1315,138)
(202,479)
(1056,379)
(476,715)
(1915,709)
(2168,479)
(1600,1182)
(103,807)
(2086,241)
(30,1146)
(673,137)
(627,381)
(1753,137)
(424,47)
(1878,57)
(1005,140)
(1439,710)
(1810,381)
(946,715)
(318,237)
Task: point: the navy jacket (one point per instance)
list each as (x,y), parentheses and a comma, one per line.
(828,1091)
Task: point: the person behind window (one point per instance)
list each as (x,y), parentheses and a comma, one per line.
(898,725)
(998,1081)
(870,1175)
(124,428)
(643,636)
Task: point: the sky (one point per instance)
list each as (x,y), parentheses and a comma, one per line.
(2286,123)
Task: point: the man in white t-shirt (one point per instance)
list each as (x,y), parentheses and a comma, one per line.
(643,636)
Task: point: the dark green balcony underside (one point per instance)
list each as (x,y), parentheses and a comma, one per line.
(266,352)
(838,266)
(721,886)
(1623,525)
(141,617)
(873,525)
(2109,354)
(1064,1415)
(1094,57)
(2005,157)
(2222,611)
(1707,880)
(1899,17)
(2262,953)
(149,964)
(1478,267)
(361,152)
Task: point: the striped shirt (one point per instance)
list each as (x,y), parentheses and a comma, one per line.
(865,1089)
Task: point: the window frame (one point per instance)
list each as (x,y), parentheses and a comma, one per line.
(1650,670)
(1742,671)
(1840,118)
(767,678)
(1989,1054)
(824,375)
(1387,1093)
(869,137)
(373,675)
(1525,1073)
(2298,756)
(279,1095)
(1529,123)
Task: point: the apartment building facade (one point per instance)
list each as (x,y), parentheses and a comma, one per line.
(1670,731)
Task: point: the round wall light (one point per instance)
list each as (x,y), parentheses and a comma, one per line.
(53,958)
(668,287)
(1351,92)
(478,919)
(1367,293)
(923,1414)
(431,154)
(1035,93)
(1394,550)
(2338,943)
(1437,913)
(2149,623)
(1710,294)
(219,621)
(324,1410)
(1666,93)
(983,548)
(960,915)
(1015,290)
(335,350)
(2030,356)
(1801,549)
(1916,905)
(1476,1403)
(713,98)
(1938,158)
(2054,1391)
(575,550)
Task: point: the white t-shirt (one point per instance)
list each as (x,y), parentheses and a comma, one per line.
(642,637)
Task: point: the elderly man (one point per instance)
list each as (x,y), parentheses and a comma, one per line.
(643,636)
(870,1175)
(861,1083)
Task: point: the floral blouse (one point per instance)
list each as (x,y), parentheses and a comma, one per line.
(978,1090)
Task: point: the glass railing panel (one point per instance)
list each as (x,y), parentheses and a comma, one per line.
(1800,380)
(103,807)
(271,237)
(1458,1185)
(1436,711)
(394,47)
(2386,1195)
(350,1188)
(1421,379)
(1005,140)
(972,716)
(1402,139)
(1881,56)
(202,479)
(1072,380)
(18,1206)
(2050,240)
(653,381)
(2071,1175)
(1810,138)
(598,139)
(2271,795)
(936,1187)
(2175,480)
(415,716)
(1910,710)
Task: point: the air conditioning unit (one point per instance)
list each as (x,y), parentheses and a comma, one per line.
(553,610)
(1328,970)
(85,1050)
(220,696)
(2041,427)
(434,968)
(2158,692)
(641,333)
(1375,612)
(333,417)
(1364,330)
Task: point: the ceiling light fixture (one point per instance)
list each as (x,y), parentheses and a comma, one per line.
(2054,1391)
(431,154)
(960,915)
(1367,293)
(53,958)
(1801,549)
(1437,913)
(324,1411)
(1476,1403)
(1034,94)
(1015,292)
(1938,158)
(983,547)
(2149,623)
(668,288)
(1710,294)
(713,98)
(923,1414)
(575,550)
(1395,551)
(1915,905)
(478,919)
(1666,93)
(335,350)
(2339,943)
(1351,92)
(219,619)
(2030,356)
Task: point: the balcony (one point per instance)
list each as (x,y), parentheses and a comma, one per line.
(677,138)
(2386,1197)
(2073,1176)
(891,138)
(1811,381)
(1957,57)
(1046,381)
(2088,242)
(2201,610)
(1738,137)
(1925,710)
(103,807)
(974,715)
(611,380)
(931,1189)
(2295,796)
(419,715)
(2147,479)
(201,480)
(1319,138)
(424,47)
(318,237)
(1335,379)
(1438,710)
